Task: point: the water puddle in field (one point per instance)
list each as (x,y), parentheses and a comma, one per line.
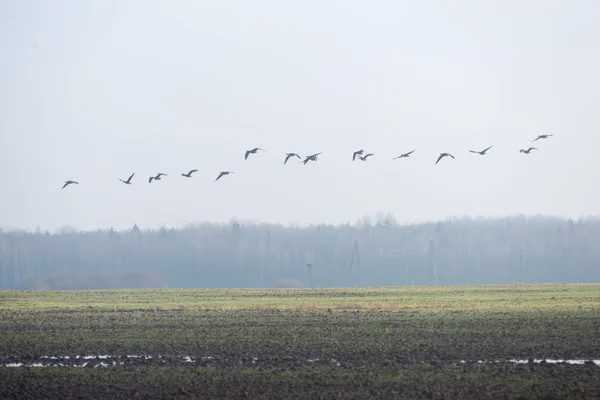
(535,361)
(105,360)
(111,360)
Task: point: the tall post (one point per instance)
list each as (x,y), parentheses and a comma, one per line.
(521,267)
(432,261)
(355,255)
(269,249)
(194,270)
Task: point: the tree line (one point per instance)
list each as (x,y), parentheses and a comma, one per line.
(373,252)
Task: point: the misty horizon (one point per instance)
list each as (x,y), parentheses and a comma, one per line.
(367,220)
(374,253)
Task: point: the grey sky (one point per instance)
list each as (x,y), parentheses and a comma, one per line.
(95,90)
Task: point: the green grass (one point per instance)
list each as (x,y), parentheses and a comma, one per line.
(394,341)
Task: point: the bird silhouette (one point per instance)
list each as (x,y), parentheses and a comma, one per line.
(289,155)
(364,158)
(128,181)
(482,152)
(67,183)
(157,177)
(541,137)
(312,157)
(442,155)
(357,153)
(253,151)
(189,174)
(223,173)
(405,155)
(528,150)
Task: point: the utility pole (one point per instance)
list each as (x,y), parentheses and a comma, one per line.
(269,252)
(194,270)
(355,255)
(309,266)
(432,261)
(521,267)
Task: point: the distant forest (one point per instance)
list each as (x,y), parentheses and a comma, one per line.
(373,252)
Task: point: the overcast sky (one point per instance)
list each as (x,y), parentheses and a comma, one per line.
(95,90)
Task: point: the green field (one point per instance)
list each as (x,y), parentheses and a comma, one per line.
(409,342)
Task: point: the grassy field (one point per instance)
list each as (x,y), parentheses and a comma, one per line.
(415,342)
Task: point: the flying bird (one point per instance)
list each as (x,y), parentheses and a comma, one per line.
(157,177)
(128,181)
(541,137)
(312,157)
(289,155)
(482,152)
(528,150)
(364,158)
(67,183)
(442,155)
(222,173)
(253,151)
(357,153)
(189,174)
(405,155)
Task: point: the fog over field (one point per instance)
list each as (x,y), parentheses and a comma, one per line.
(375,252)
(94,91)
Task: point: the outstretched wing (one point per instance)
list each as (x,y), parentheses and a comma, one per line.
(354,155)
(65,185)
(192,171)
(439,158)
(450,155)
(130,176)
(219,177)
(409,153)
(487,149)
(287,158)
(150,179)
(473,151)
(246,156)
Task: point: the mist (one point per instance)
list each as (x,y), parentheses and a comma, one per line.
(375,251)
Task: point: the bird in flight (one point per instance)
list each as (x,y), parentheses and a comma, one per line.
(289,155)
(128,181)
(405,155)
(528,150)
(541,137)
(312,157)
(442,155)
(222,173)
(357,153)
(189,174)
(253,151)
(157,177)
(67,183)
(482,152)
(364,158)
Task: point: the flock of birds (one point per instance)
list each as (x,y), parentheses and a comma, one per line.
(360,154)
